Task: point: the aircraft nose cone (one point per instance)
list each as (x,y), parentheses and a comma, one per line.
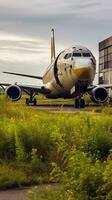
(84,69)
(84,73)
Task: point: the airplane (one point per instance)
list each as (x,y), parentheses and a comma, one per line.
(70,75)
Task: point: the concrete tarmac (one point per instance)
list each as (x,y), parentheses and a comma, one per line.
(56,108)
(22,193)
(14,194)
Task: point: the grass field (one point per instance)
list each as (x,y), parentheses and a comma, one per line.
(71,149)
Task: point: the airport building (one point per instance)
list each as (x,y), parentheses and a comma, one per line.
(105,62)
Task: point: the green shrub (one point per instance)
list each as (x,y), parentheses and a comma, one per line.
(73,148)
(10,177)
(83,177)
(106,188)
(47,193)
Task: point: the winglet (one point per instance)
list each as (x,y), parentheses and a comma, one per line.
(52,46)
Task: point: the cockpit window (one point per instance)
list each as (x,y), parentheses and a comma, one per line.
(86,54)
(68,55)
(76,54)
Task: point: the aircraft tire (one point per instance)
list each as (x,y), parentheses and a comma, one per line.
(77,105)
(27,101)
(82,103)
(35,102)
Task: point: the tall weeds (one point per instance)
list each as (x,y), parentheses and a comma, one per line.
(44,146)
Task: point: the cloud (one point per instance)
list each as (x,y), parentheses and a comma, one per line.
(22,9)
(25,29)
(18,48)
(37,14)
(86,5)
(24,55)
(21,54)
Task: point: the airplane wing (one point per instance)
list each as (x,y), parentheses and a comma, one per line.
(4,84)
(33,88)
(28,88)
(106,85)
(14,90)
(25,75)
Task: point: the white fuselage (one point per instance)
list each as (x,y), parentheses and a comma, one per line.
(73,67)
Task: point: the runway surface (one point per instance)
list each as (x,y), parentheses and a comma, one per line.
(21,194)
(61,108)
(14,194)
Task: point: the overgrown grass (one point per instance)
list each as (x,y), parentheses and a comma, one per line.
(73,149)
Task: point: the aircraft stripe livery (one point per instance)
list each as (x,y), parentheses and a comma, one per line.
(70,75)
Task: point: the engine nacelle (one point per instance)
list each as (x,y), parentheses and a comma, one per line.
(13,92)
(99,94)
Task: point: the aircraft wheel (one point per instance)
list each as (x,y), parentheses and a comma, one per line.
(27,101)
(79,103)
(76,103)
(35,102)
(82,103)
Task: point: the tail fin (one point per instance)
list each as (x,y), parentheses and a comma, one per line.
(52,46)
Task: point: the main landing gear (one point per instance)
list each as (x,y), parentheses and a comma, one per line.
(79,103)
(31,100)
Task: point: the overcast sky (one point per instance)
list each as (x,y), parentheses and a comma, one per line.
(25,31)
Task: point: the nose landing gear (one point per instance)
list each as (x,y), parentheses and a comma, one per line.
(79,103)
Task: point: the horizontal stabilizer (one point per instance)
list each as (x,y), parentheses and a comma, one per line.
(25,75)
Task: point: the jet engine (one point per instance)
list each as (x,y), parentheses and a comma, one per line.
(13,92)
(99,94)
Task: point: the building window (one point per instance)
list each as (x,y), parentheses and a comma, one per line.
(101,66)
(105,61)
(101,53)
(106,51)
(106,58)
(109,57)
(106,66)
(109,49)
(101,60)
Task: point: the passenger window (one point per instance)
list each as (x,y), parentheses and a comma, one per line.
(86,54)
(77,54)
(68,55)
